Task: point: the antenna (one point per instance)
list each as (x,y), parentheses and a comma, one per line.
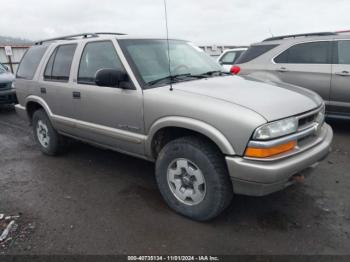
(167,39)
(271,32)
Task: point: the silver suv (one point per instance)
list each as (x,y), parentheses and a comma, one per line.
(317,61)
(210,134)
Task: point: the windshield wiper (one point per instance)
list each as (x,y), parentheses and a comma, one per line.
(183,77)
(212,73)
(173,78)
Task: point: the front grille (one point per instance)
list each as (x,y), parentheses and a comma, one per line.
(310,120)
(8,98)
(305,122)
(5,85)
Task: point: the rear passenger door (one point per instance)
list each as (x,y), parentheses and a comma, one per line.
(307,65)
(56,86)
(340,90)
(107,115)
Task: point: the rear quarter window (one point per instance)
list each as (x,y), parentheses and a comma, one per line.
(254,52)
(30,62)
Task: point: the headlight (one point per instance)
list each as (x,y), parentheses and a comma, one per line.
(276,129)
(13,85)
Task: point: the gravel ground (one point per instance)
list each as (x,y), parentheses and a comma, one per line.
(93,201)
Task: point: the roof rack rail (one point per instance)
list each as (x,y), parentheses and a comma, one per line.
(299,35)
(72,37)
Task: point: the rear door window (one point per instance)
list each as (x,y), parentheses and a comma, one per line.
(254,52)
(307,53)
(60,62)
(30,62)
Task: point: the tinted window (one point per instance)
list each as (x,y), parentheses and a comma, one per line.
(344,52)
(48,69)
(238,55)
(254,52)
(96,56)
(30,62)
(61,63)
(307,53)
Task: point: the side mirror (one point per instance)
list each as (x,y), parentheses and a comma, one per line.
(112,78)
(6,67)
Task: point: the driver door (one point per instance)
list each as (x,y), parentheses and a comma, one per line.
(108,116)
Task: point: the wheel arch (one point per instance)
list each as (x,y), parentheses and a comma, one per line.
(176,127)
(34,103)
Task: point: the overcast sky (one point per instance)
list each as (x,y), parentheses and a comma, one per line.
(201,21)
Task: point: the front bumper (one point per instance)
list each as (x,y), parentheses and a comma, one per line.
(259,178)
(8,96)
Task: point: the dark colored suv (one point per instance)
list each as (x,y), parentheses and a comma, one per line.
(7,91)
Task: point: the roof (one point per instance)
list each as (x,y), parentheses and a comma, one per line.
(101,35)
(317,35)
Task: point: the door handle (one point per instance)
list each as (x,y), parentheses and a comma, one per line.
(76,95)
(282,69)
(343,73)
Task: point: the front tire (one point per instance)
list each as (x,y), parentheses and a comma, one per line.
(49,141)
(192,177)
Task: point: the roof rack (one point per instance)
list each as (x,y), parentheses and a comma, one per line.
(299,35)
(73,37)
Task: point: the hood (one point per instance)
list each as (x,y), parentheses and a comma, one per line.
(271,100)
(6,77)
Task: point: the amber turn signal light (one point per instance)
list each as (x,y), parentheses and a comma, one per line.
(271,151)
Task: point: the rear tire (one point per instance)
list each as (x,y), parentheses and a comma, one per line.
(49,141)
(193,179)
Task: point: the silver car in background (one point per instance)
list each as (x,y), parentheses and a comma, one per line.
(316,61)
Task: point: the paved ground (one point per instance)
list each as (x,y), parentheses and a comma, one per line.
(93,201)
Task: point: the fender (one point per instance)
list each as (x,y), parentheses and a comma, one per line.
(192,124)
(40,101)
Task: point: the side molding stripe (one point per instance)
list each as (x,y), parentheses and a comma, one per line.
(99,129)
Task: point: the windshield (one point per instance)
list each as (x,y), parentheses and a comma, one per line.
(151,62)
